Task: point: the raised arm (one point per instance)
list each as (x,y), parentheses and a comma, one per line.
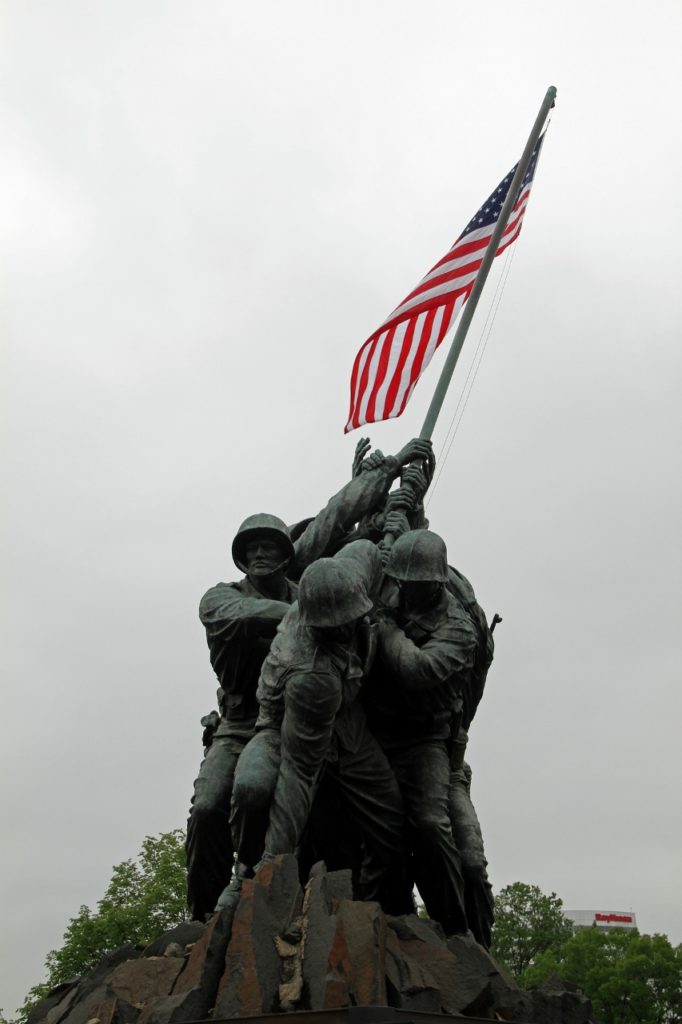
(363,494)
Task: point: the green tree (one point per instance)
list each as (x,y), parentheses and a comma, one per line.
(527,923)
(144,898)
(630,978)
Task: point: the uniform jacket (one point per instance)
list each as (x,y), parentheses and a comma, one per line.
(421,669)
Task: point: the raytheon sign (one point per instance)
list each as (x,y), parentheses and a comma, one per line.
(602,919)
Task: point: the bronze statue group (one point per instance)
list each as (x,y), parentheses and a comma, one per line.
(351,659)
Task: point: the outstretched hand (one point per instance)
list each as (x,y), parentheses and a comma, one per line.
(361,449)
(360,463)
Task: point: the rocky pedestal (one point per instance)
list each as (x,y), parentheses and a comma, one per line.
(286,949)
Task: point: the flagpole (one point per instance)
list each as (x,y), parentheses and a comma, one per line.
(470,305)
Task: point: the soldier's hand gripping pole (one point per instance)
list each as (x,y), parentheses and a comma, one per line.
(416,479)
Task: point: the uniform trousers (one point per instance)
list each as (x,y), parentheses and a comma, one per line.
(423,773)
(208,847)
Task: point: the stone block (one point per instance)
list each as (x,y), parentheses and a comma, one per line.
(195,989)
(559,1007)
(184,1007)
(279,881)
(365,929)
(409,985)
(87,997)
(428,959)
(58,1012)
(411,926)
(140,981)
(252,972)
(100,974)
(205,962)
(184,934)
(109,962)
(326,965)
(101,1004)
(55,1004)
(485,990)
(338,885)
(337,978)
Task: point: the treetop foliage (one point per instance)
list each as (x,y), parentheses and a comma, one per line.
(629,978)
(144,898)
(527,923)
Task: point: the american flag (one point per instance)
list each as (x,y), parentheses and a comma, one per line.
(391,361)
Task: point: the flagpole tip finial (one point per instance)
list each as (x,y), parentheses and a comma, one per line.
(551,93)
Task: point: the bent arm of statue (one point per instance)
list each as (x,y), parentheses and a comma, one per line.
(312,701)
(227,613)
(447,654)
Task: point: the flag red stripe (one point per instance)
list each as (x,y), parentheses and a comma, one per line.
(452,275)
(420,344)
(363,381)
(463,249)
(432,303)
(463,271)
(423,346)
(380,374)
(408,341)
(354,391)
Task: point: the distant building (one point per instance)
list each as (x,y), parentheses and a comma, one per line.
(604,920)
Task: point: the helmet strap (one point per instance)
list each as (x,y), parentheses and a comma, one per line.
(271,584)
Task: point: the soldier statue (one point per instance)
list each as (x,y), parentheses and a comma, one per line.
(345,700)
(414,701)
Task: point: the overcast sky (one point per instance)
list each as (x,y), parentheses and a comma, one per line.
(207,208)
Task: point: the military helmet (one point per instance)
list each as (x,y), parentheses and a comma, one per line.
(262,525)
(364,558)
(330,594)
(418,556)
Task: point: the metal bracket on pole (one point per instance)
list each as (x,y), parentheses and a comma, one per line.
(470,305)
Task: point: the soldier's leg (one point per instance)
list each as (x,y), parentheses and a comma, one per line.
(423,773)
(208,847)
(254,784)
(369,788)
(466,829)
(331,834)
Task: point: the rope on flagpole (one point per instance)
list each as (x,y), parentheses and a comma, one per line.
(487,326)
(472,373)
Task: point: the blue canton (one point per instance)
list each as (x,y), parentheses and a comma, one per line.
(492,207)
